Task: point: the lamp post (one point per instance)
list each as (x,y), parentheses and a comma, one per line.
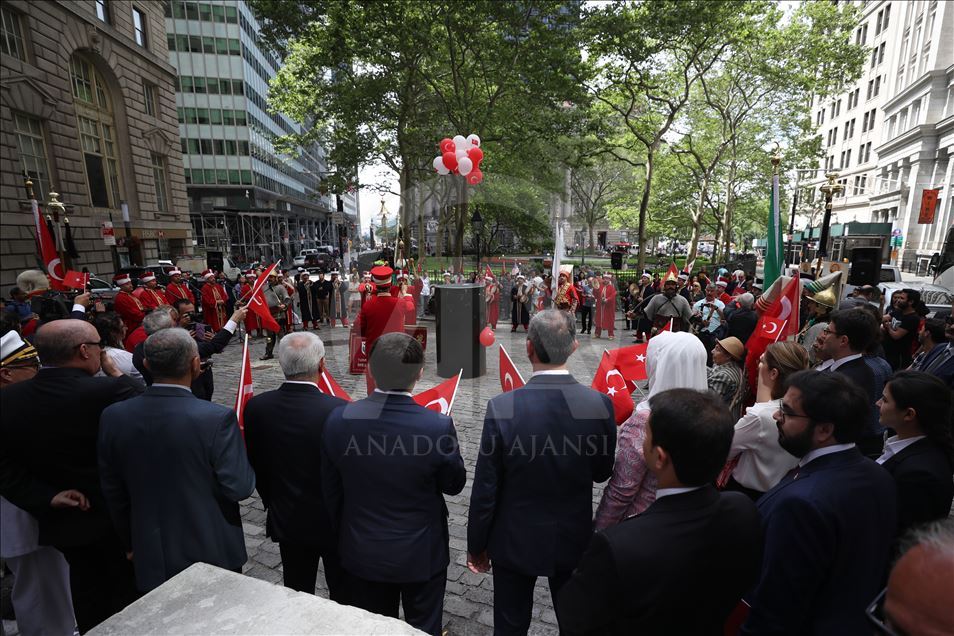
(477,223)
(830,189)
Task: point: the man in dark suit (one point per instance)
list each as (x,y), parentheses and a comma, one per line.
(917,407)
(843,343)
(48,462)
(386,462)
(939,361)
(283,431)
(829,524)
(681,566)
(173,469)
(542,448)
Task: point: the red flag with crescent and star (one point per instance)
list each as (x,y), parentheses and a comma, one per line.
(610,380)
(329,386)
(510,377)
(441,397)
(630,361)
(778,321)
(47,248)
(245,390)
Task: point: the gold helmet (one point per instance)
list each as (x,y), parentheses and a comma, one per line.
(826,298)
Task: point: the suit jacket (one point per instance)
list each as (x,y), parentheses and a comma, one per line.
(49,429)
(828,536)
(542,448)
(923,475)
(386,462)
(283,431)
(945,370)
(203,386)
(173,469)
(680,567)
(863,377)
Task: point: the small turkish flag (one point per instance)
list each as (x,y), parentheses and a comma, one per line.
(510,377)
(256,305)
(630,361)
(329,386)
(610,380)
(75,280)
(441,397)
(244,393)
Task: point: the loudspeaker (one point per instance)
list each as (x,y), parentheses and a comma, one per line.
(616,260)
(215,261)
(460,311)
(865,266)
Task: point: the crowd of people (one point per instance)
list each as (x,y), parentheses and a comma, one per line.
(782,511)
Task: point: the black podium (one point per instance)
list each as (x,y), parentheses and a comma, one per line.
(461,315)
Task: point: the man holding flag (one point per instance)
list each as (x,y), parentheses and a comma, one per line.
(543,447)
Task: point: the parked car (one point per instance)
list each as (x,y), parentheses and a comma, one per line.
(103,291)
(299,261)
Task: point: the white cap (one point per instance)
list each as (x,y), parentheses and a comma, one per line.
(175,272)
(148,278)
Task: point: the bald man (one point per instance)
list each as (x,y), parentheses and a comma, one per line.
(48,462)
(920,588)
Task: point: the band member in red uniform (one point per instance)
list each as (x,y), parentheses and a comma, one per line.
(152,295)
(492,298)
(129,308)
(606,306)
(292,290)
(383,313)
(245,293)
(213,302)
(366,288)
(176,289)
(404,293)
(566,297)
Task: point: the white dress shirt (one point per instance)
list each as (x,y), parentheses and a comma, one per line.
(837,363)
(821,452)
(762,462)
(393,392)
(301,382)
(893,446)
(666,492)
(550,372)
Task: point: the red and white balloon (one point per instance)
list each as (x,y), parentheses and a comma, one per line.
(461,155)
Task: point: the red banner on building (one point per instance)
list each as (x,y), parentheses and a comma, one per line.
(928,206)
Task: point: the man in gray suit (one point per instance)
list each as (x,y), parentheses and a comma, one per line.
(173,469)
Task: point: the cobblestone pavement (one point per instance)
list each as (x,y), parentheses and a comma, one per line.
(468,603)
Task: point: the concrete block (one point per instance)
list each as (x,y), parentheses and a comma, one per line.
(207,600)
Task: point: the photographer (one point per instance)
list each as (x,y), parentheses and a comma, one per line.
(707,318)
(182,314)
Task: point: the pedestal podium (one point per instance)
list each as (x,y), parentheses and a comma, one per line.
(461,314)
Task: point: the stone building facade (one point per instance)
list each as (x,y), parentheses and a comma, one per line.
(88,109)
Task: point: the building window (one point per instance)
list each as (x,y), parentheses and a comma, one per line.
(32,148)
(139,27)
(12,43)
(102,11)
(159,176)
(151,96)
(97,131)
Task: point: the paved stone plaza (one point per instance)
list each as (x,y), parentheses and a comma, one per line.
(468,604)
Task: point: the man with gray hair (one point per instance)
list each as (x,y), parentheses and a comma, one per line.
(173,469)
(543,447)
(742,318)
(283,430)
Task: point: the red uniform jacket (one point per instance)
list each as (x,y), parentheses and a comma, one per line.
(215,318)
(152,298)
(174,292)
(130,309)
(380,315)
(606,306)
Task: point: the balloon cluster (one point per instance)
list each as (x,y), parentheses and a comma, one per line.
(461,155)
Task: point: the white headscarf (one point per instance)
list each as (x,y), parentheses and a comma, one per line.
(674,360)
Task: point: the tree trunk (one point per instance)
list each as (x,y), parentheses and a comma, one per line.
(717,241)
(697,222)
(644,206)
(592,243)
(729,205)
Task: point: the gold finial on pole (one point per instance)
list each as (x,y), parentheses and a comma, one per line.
(55,207)
(776,157)
(28,184)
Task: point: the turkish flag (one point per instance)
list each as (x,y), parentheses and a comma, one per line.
(778,320)
(770,328)
(441,397)
(630,361)
(256,304)
(47,248)
(244,393)
(261,280)
(673,273)
(609,380)
(510,377)
(75,280)
(329,386)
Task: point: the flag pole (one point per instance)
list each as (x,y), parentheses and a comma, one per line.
(781,330)
(450,407)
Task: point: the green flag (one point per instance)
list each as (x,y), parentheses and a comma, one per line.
(773,246)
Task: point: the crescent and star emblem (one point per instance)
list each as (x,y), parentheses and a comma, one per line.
(771,327)
(508,381)
(441,403)
(786,308)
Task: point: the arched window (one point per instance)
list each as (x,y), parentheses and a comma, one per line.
(97,131)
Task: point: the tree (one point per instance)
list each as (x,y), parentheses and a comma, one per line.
(595,188)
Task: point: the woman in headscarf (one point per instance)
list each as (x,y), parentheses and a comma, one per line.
(674,360)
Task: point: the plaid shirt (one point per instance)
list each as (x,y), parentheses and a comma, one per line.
(726,380)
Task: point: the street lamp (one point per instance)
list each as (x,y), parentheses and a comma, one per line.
(477,223)
(830,189)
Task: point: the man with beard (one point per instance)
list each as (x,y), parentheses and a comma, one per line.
(900,326)
(668,307)
(830,523)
